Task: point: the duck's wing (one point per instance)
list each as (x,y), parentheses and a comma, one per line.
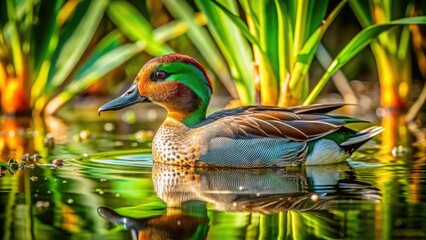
(315,108)
(302,123)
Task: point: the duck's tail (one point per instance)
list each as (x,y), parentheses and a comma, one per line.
(360,138)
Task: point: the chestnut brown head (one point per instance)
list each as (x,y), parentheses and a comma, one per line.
(175,81)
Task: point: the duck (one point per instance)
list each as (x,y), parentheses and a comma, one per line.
(254,136)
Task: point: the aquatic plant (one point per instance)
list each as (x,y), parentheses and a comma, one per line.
(51,52)
(281,38)
(391,49)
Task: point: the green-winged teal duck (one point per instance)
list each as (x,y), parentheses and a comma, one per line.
(246,137)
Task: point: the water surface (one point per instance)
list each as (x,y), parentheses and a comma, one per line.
(109,188)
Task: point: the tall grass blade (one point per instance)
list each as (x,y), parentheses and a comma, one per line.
(179,28)
(238,22)
(233,45)
(250,9)
(136,27)
(230,10)
(12,39)
(360,41)
(204,43)
(45,33)
(300,26)
(10,11)
(26,24)
(316,13)
(283,44)
(113,40)
(307,53)
(74,40)
(362,11)
(97,68)
(266,55)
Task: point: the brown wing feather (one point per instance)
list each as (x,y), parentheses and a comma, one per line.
(301,123)
(251,130)
(278,122)
(314,129)
(269,128)
(290,131)
(274,115)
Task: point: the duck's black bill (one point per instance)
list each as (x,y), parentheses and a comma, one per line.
(130,97)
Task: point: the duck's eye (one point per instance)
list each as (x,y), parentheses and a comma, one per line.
(160,75)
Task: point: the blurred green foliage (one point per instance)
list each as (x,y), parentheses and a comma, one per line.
(50,52)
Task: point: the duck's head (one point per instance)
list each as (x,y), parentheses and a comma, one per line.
(175,81)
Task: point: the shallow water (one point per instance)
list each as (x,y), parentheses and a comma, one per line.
(109,188)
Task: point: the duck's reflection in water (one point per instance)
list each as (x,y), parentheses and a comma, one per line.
(261,190)
(175,224)
(264,191)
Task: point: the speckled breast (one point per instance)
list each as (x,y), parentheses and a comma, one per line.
(172,145)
